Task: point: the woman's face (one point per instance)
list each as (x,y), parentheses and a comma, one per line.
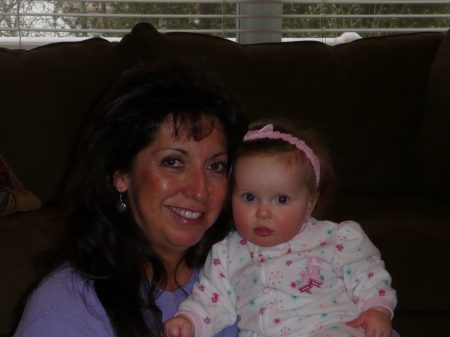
(176,188)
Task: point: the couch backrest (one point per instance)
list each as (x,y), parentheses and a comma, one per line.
(367,98)
(45,96)
(434,146)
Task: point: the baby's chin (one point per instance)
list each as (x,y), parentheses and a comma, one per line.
(266,242)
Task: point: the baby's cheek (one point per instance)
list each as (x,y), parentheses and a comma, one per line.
(242,221)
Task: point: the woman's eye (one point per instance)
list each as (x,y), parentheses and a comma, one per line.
(172,162)
(282,199)
(249,197)
(217,167)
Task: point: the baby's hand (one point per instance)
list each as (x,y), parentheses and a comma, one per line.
(376,321)
(180,326)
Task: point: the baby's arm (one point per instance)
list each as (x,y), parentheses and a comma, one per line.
(376,321)
(179,326)
(366,280)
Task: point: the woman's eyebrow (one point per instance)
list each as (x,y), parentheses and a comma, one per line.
(219,154)
(186,153)
(183,152)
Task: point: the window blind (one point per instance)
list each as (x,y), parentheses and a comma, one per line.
(34,22)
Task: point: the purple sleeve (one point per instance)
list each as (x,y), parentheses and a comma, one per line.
(63,306)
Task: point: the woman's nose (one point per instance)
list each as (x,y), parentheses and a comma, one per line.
(197,186)
(263,212)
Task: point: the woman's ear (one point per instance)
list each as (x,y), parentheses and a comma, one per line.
(120,181)
(312,203)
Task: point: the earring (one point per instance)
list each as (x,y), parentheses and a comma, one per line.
(121,206)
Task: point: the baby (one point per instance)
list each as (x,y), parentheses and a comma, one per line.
(284,273)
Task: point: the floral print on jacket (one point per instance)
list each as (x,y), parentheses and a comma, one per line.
(325,276)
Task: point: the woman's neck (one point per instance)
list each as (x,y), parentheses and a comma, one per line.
(178,274)
(178,277)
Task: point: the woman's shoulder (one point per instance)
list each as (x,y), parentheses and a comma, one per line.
(64,298)
(61,289)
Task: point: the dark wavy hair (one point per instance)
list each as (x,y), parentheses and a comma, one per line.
(266,146)
(108,248)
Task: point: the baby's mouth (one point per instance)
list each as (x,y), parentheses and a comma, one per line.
(263,231)
(186,214)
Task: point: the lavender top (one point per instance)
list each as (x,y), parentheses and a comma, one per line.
(65,306)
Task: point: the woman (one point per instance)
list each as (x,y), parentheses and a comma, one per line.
(147,203)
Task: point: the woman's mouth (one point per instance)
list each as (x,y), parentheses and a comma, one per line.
(186,214)
(263,231)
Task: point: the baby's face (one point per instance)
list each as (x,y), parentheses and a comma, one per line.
(270,199)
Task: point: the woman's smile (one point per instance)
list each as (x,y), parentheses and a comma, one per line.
(186,214)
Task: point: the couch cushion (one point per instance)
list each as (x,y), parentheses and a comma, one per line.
(13,195)
(412,234)
(25,238)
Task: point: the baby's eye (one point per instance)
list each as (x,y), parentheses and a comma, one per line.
(172,162)
(217,167)
(282,199)
(249,197)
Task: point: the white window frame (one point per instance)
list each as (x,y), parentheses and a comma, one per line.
(257,20)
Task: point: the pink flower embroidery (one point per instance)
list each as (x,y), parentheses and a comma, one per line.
(222,275)
(293,285)
(289,251)
(370,275)
(261,311)
(251,255)
(262,260)
(201,287)
(207,320)
(323,243)
(215,298)
(288,263)
(381,292)
(340,247)
(276,320)
(243,242)
(216,262)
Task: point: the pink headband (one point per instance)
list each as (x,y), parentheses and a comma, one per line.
(267,132)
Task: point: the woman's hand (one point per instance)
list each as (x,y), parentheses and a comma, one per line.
(376,321)
(180,326)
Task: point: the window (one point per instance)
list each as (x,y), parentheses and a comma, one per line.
(34,22)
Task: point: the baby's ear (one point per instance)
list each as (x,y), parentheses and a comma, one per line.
(120,181)
(312,202)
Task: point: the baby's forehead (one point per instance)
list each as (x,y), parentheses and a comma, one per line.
(286,160)
(264,165)
(280,168)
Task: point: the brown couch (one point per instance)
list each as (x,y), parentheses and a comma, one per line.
(382,104)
